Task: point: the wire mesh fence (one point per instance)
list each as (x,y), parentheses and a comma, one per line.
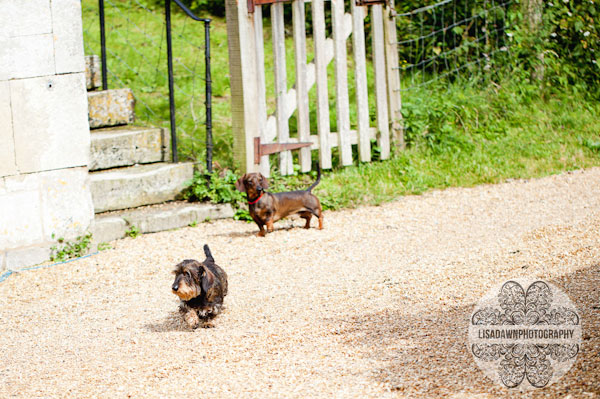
(451,39)
(136,51)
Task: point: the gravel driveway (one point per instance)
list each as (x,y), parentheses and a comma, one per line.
(375,305)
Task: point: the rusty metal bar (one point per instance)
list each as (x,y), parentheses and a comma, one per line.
(272,148)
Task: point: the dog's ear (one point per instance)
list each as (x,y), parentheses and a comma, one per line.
(207,280)
(240,184)
(264,182)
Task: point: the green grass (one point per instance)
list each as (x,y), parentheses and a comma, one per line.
(459,134)
(478,136)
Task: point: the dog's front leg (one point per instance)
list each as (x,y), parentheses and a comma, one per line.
(270,225)
(191,318)
(262,231)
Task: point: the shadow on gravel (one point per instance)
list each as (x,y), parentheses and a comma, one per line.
(173,322)
(240,234)
(427,355)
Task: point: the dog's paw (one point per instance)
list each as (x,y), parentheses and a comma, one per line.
(192,319)
(207,325)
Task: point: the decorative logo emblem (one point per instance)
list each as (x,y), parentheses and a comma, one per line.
(525,334)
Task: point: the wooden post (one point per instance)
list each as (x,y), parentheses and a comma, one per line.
(532,10)
(298,15)
(265,167)
(393,74)
(283,129)
(341,82)
(243,83)
(323,127)
(360,76)
(378,44)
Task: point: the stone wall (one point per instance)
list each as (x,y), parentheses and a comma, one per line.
(44,130)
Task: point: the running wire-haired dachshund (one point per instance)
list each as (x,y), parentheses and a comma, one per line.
(267,208)
(201,288)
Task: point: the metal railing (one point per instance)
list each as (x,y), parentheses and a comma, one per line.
(170,75)
(207,80)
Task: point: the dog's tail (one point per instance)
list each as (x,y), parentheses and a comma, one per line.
(318,178)
(209,256)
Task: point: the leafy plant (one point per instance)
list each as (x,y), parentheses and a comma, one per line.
(70,249)
(242,214)
(104,246)
(133,232)
(591,145)
(220,188)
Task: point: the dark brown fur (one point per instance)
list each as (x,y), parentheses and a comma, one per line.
(201,288)
(275,206)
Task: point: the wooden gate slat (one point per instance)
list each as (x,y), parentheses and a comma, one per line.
(393,74)
(341,82)
(360,77)
(265,167)
(301,87)
(271,128)
(323,127)
(383,139)
(283,130)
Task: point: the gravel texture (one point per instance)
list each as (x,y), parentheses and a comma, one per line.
(375,305)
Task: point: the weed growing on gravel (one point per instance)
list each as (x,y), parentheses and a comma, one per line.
(104,246)
(133,232)
(70,249)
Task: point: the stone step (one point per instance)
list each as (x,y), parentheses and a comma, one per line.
(111,226)
(93,72)
(115,147)
(110,108)
(138,185)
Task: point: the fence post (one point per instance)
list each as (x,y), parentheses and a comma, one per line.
(243,83)
(360,80)
(532,11)
(393,74)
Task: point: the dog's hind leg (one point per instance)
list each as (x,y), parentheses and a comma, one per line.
(306,216)
(318,213)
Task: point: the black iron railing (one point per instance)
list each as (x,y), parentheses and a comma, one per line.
(172,107)
(208,82)
(103,45)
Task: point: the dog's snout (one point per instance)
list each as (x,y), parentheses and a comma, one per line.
(175,287)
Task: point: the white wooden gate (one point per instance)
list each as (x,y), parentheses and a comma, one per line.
(247,76)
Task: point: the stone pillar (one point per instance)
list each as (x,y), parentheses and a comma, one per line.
(44,130)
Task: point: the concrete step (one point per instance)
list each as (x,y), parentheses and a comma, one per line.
(110,108)
(93,72)
(115,147)
(138,185)
(111,226)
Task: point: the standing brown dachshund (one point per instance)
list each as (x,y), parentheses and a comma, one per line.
(267,208)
